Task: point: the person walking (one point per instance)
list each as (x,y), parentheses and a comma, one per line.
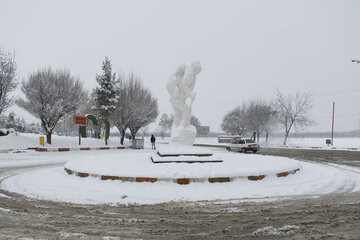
(152,140)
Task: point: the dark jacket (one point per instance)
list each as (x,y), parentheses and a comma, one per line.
(152,139)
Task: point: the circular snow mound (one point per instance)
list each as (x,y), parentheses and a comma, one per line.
(53,183)
(137,166)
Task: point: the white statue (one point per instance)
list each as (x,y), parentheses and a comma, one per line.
(180,87)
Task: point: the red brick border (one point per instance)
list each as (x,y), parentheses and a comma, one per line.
(182,181)
(103,148)
(85,149)
(63,149)
(282,174)
(103,177)
(80,174)
(146,179)
(76,149)
(70,172)
(41,149)
(219,179)
(256,178)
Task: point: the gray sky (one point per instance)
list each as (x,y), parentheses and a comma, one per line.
(247,48)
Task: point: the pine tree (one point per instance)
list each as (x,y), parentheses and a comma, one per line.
(105,98)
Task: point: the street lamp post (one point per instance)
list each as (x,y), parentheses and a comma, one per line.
(332,126)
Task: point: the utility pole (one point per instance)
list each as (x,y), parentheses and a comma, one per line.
(332,126)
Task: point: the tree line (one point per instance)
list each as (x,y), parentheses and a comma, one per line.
(55,96)
(257,117)
(19,124)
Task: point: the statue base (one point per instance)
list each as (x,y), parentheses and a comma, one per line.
(184,136)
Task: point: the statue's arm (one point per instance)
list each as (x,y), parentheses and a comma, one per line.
(171,84)
(174,79)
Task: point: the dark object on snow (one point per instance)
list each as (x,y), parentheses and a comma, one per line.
(138,143)
(4,133)
(152,140)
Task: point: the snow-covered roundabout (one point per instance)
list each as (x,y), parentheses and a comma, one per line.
(138,167)
(137,172)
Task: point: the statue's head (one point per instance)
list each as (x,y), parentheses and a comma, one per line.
(196,67)
(180,70)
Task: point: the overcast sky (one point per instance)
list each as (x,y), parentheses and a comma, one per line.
(247,49)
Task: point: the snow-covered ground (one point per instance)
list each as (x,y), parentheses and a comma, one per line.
(132,163)
(339,143)
(25,140)
(53,183)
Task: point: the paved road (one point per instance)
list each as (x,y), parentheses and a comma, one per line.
(333,216)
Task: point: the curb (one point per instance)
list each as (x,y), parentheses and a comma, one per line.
(181,181)
(76,149)
(282,147)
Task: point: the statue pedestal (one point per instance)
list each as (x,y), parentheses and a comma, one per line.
(179,153)
(181,150)
(183,136)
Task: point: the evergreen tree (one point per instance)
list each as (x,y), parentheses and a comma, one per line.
(105,98)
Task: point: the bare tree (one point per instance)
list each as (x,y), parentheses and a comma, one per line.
(292,111)
(8,80)
(136,107)
(142,105)
(258,116)
(50,95)
(195,122)
(165,123)
(253,117)
(120,117)
(234,122)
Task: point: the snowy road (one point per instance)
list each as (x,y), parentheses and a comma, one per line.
(330,216)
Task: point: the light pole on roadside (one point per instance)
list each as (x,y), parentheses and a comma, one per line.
(332,125)
(333,111)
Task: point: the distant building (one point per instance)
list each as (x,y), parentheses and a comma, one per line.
(203,130)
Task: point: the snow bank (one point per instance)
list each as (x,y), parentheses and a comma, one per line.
(28,140)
